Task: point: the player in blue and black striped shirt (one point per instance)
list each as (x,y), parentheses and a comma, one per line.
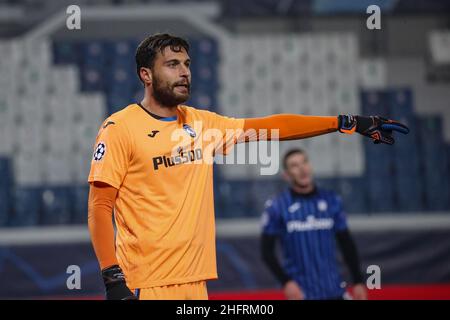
(307,221)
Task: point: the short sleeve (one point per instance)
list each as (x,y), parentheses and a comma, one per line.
(340,218)
(231,129)
(112,153)
(271,220)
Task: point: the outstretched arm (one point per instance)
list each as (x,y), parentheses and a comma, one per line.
(292,126)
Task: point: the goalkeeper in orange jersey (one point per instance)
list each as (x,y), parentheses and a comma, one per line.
(161,189)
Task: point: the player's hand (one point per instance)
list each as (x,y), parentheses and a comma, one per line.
(375,127)
(292,291)
(116,287)
(359,292)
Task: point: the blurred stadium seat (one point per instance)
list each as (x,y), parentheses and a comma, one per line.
(254,58)
(75,99)
(5,189)
(27,206)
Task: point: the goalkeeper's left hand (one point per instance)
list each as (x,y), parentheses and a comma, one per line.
(375,127)
(116,287)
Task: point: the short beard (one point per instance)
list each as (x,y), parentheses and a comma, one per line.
(165,96)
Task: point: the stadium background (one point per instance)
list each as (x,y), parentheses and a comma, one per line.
(250,58)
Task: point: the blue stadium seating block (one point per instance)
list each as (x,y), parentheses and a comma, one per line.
(95,53)
(263,190)
(116,102)
(121,81)
(430,131)
(6,184)
(123,54)
(235,199)
(5,206)
(27,206)
(79,196)
(379,159)
(353,192)
(438,202)
(374,102)
(204,49)
(6,178)
(380,194)
(92,78)
(328,183)
(400,101)
(56,205)
(406,163)
(409,194)
(203,101)
(65,52)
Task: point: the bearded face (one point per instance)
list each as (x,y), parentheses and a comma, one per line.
(170,93)
(171,77)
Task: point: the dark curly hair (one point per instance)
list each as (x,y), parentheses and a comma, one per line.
(149,47)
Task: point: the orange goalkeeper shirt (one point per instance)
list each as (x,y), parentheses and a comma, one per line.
(164,210)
